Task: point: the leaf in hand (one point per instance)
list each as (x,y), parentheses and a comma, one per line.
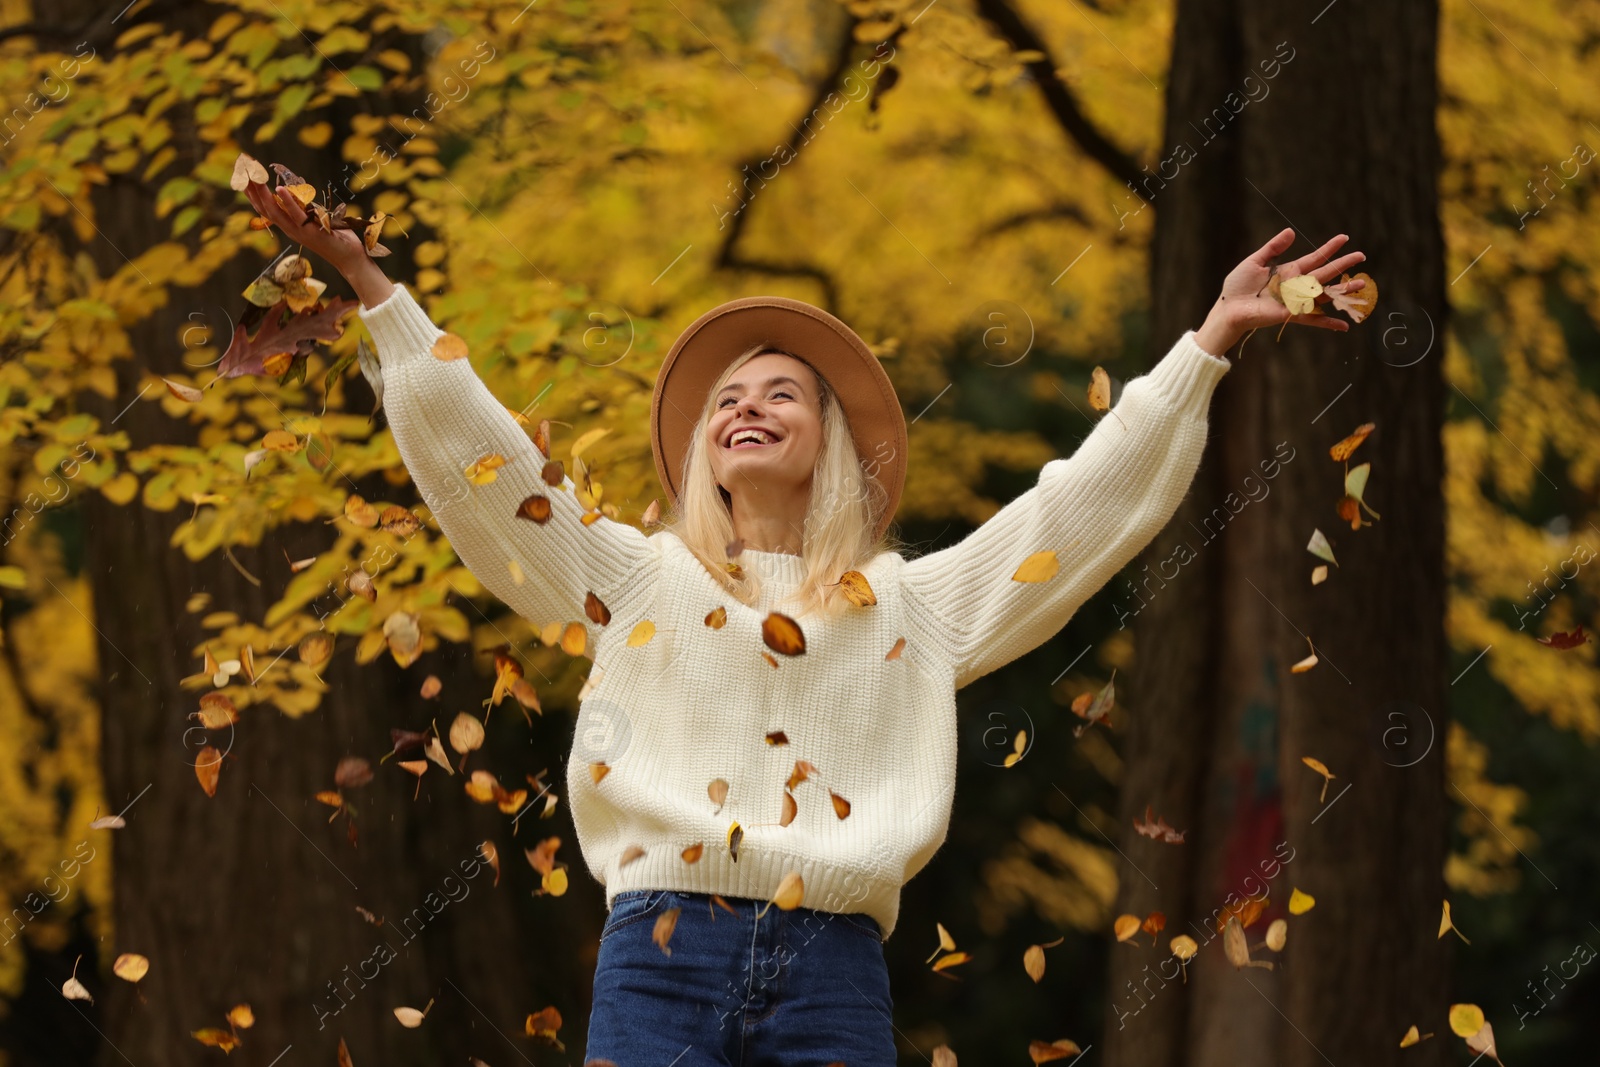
(1358,304)
(274,347)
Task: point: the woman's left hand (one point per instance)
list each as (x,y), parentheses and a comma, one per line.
(1245,304)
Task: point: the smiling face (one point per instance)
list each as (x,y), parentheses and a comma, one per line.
(777,395)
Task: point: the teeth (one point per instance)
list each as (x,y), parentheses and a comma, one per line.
(750,435)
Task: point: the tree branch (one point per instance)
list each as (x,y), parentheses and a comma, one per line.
(1059,98)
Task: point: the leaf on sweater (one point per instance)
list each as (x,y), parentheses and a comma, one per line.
(275,347)
(777,737)
(790,892)
(1157,829)
(598,770)
(641,634)
(552,472)
(693,853)
(1039,567)
(718,792)
(1306,664)
(481,471)
(666,922)
(629,854)
(574,639)
(735,835)
(449,346)
(790,809)
(803,769)
(596,609)
(782,634)
(857,589)
(652,514)
(841,806)
(899,647)
(1059,1049)
(1099,390)
(535,508)
(717,617)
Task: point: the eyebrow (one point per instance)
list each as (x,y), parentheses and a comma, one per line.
(770,381)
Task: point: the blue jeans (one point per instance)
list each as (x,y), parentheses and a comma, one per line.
(800,988)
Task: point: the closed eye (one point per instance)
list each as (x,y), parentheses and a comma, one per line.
(781,392)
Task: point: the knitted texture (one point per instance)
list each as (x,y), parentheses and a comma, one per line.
(696,703)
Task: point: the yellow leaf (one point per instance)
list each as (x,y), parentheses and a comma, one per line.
(1039,567)
(1299,294)
(641,634)
(1447,923)
(130,967)
(482,470)
(1300,903)
(1466,1019)
(1125,926)
(791,890)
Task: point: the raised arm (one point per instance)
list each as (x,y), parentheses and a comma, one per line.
(1100,506)
(444,419)
(1096,509)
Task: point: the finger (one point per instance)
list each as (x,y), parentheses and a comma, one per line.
(1307,264)
(1262,256)
(1333,270)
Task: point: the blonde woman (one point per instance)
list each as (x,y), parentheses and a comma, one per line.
(778,737)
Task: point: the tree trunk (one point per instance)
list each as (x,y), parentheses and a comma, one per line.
(1340,139)
(251,896)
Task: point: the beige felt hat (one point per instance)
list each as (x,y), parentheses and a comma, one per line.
(715,339)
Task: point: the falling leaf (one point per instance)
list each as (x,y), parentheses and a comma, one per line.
(1247,911)
(782,634)
(803,769)
(735,835)
(856,589)
(466,733)
(352,772)
(629,854)
(1153,924)
(598,770)
(449,346)
(183,392)
(431,686)
(1413,1037)
(574,639)
(241,1017)
(1039,567)
(1319,574)
(535,508)
(216,711)
(718,791)
(1564,640)
(666,923)
(481,471)
(1482,1043)
(1344,449)
(777,737)
(278,344)
(1355,487)
(344,1055)
(588,438)
(641,633)
(790,892)
(1045,1051)
(954,959)
(73,989)
(717,617)
(1018,746)
(411,1018)
(435,751)
(1306,664)
(1277,934)
(1125,927)
(1447,923)
(108,822)
(944,1057)
(543,1024)
(790,809)
(1300,903)
(1320,547)
(208,769)
(358,511)
(894,652)
(693,852)
(1184,947)
(216,1038)
(1096,708)
(1466,1019)
(1235,948)
(360,583)
(1327,775)
(1158,830)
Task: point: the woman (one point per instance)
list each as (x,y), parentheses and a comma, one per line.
(778,736)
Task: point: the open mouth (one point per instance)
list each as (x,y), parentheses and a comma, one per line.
(752,439)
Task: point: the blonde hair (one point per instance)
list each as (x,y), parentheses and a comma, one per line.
(846,505)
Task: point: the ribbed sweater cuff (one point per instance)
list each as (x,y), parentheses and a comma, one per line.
(400,328)
(1188,373)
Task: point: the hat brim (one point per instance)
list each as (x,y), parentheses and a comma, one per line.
(703,350)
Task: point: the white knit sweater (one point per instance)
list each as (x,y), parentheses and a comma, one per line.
(695,703)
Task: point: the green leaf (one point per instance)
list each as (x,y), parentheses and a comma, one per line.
(365,77)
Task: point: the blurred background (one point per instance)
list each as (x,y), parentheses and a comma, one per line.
(999,195)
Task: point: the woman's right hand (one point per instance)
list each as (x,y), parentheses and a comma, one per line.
(341,248)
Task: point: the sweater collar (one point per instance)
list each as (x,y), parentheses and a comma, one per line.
(777,568)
